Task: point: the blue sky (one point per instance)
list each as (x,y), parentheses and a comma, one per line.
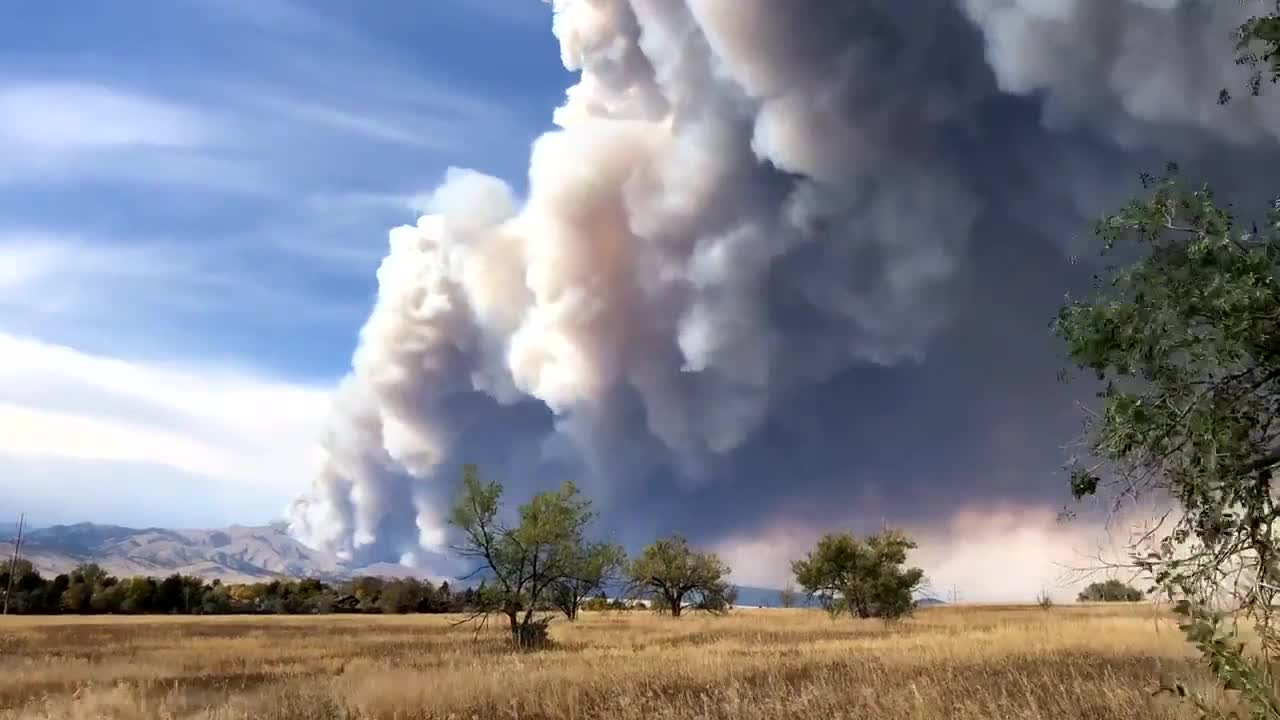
(194,198)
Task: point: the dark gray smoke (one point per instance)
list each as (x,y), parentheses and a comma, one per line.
(755,223)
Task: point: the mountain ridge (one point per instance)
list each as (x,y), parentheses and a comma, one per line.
(234,553)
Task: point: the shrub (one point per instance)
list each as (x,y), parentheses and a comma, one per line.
(1110,591)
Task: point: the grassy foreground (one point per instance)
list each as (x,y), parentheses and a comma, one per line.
(1013,662)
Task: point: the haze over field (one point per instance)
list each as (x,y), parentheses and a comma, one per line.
(767,269)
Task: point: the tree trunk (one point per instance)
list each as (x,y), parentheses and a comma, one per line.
(862,608)
(675,601)
(514,617)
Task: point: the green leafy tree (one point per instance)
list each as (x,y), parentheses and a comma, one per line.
(1184,341)
(438,599)
(7,568)
(217,601)
(675,578)
(76,597)
(524,562)
(1187,343)
(1109,591)
(400,596)
(108,598)
(169,595)
(368,591)
(53,593)
(719,601)
(594,565)
(864,578)
(138,594)
(1258,48)
(25,585)
(90,574)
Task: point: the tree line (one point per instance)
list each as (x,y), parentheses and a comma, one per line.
(528,572)
(90,589)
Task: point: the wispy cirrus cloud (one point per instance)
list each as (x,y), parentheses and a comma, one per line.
(82,116)
(233,428)
(47,273)
(151,289)
(295,123)
(430,133)
(71,131)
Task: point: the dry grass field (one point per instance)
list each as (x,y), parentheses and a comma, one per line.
(956,663)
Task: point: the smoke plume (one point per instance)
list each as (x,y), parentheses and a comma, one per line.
(752,214)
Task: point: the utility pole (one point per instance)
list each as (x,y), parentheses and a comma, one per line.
(13,562)
(955,595)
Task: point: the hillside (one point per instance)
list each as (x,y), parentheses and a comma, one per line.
(233,553)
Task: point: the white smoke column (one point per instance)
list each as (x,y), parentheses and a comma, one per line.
(638,272)
(743,199)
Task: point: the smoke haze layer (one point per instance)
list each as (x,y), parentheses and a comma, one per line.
(778,260)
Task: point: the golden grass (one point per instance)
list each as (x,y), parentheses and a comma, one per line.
(964,663)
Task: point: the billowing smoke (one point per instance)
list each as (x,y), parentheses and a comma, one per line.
(1145,71)
(746,203)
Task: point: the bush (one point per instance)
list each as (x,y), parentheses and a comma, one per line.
(1109,591)
(863,577)
(533,635)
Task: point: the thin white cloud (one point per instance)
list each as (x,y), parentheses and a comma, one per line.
(78,116)
(411,203)
(384,127)
(93,428)
(344,233)
(279,16)
(55,132)
(357,85)
(39,266)
(69,408)
(67,279)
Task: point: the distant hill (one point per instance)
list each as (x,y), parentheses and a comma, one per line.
(233,553)
(749,596)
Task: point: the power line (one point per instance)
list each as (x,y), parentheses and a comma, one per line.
(13,562)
